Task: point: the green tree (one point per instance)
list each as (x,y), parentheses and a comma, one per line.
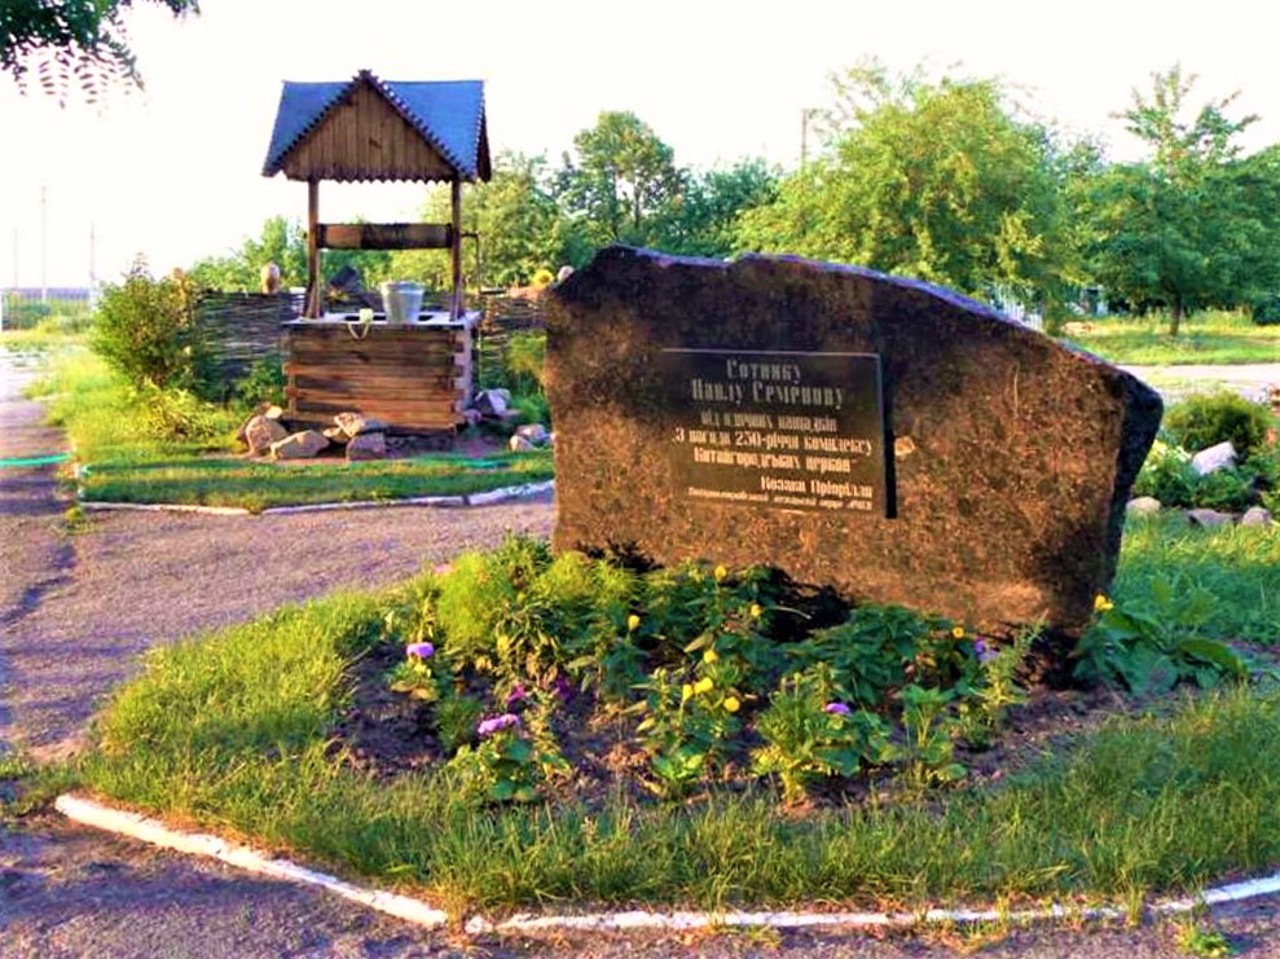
(1179,230)
(703,219)
(282,242)
(621,182)
(65,40)
(933,180)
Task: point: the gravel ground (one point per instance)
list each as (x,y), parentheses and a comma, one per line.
(79,609)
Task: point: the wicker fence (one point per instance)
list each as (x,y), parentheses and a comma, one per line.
(504,314)
(242,329)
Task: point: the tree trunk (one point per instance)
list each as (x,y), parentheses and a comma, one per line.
(1176,312)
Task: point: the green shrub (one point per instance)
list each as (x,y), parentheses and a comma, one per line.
(1266,309)
(1206,420)
(1167,475)
(263,383)
(145,329)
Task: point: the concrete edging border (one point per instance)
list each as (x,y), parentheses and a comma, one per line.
(485,498)
(136,826)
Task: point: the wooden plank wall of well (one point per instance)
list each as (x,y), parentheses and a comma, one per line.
(415,379)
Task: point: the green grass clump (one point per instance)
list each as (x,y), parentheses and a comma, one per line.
(1239,566)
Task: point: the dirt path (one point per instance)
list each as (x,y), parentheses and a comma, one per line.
(78,610)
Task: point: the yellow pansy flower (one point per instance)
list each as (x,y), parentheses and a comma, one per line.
(709,655)
(731,704)
(720,573)
(957,632)
(633,623)
(703,685)
(755,611)
(685,692)
(1101,604)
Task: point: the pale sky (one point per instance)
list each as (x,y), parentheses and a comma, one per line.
(175,172)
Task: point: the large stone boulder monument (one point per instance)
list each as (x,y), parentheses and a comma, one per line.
(888,438)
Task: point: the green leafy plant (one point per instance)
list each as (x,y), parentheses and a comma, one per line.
(870,653)
(414,675)
(1150,648)
(685,731)
(504,767)
(455,718)
(1201,421)
(146,330)
(810,737)
(930,732)
(986,700)
(1167,474)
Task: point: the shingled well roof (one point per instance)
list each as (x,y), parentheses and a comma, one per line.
(449,115)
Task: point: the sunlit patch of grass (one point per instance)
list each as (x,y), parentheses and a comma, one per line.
(1209,338)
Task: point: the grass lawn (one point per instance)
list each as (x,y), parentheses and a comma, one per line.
(237,731)
(170,448)
(1210,338)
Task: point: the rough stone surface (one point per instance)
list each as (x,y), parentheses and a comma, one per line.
(299,446)
(261,432)
(1214,458)
(1209,518)
(535,433)
(1144,506)
(353,424)
(336,434)
(1009,508)
(1256,516)
(367,446)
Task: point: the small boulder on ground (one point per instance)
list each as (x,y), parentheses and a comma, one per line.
(1143,506)
(353,424)
(1214,458)
(494,402)
(1208,518)
(336,434)
(299,446)
(260,432)
(520,444)
(367,446)
(1256,516)
(535,433)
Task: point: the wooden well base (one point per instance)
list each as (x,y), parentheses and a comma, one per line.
(415,378)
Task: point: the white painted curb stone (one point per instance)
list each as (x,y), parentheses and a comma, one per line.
(416,911)
(487,498)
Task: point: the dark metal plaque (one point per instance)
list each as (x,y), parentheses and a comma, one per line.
(795,431)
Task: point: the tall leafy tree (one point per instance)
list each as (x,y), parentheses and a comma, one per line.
(933,180)
(621,181)
(72,40)
(1178,231)
(703,219)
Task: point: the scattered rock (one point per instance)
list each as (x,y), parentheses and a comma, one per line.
(336,434)
(261,432)
(472,416)
(273,412)
(1214,458)
(353,424)
(493,402)
(1256,516)
(1208,518)
(520,444)
(269,410)
(1143,506)
(367,446)
(535,433)
(297,446)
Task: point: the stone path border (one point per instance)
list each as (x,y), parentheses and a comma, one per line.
(136,826)
(486,498)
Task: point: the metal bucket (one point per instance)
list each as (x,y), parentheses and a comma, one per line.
(402,299)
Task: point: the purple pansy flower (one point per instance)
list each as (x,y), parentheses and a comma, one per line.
(420,650)
(517,695)
(496,724)
(837,709)
(562,689)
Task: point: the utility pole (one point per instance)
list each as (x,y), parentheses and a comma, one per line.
(44,243)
